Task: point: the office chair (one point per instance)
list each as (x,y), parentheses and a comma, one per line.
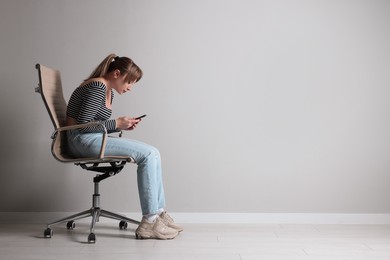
(50,88)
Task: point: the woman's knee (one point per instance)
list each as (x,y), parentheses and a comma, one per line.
(151,153)
(156,152)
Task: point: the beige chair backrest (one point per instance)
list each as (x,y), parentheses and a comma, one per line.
(52,95)
(50,88)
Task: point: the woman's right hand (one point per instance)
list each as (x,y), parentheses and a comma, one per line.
(126,123)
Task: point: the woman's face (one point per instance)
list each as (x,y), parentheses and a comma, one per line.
(121,85)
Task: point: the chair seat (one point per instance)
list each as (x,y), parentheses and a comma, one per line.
(106,159)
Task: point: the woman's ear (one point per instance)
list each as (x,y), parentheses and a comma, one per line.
(117,73)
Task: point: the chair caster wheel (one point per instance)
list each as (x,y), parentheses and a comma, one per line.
(122,225)
(92,238)
(70,225)
(48,233)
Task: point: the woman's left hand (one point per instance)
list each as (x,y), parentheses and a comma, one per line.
(134,123)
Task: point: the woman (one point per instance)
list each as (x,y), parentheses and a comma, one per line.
(91,101)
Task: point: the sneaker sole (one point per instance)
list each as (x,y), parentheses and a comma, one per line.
(153,235)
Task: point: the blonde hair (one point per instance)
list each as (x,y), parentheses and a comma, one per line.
(124,64)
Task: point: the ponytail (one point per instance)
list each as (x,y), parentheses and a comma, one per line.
(102,69)
(113,62)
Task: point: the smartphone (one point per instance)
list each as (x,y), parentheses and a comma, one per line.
(140,117)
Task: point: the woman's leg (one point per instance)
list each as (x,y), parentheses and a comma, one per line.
(147,157)
(149,174)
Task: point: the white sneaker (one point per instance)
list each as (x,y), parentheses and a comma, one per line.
(157,229)
(168,221)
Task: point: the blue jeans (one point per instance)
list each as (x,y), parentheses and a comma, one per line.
(147,157)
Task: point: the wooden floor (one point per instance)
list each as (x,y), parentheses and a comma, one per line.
(200,241)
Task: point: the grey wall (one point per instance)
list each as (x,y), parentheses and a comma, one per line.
(256,106)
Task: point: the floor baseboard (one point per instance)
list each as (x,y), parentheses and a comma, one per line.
(221,218)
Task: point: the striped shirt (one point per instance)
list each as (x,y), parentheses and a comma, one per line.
(88,104)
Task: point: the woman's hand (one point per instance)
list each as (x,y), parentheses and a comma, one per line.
(126,123)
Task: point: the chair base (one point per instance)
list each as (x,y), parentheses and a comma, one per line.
(95,212)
